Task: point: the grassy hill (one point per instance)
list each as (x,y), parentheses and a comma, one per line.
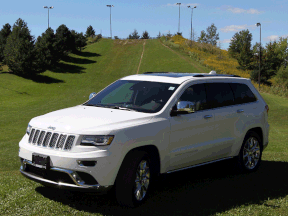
(210,190)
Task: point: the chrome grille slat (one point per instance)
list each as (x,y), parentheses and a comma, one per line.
(69,143)
(31,135)
(61,141)
(47,139)
(36,136)
(52,140)
(41,137)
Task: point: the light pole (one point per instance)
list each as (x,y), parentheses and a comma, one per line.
(110,19)
(191,21)
(179,18)
(259,24)
(48,12)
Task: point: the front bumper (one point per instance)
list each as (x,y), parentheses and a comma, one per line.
(75,183)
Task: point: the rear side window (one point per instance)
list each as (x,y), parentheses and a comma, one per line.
(242,93)
(219,95)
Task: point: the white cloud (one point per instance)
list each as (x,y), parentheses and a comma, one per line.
(183,4)
(271,38)
(225,41)
(241,10)
(274,37)
(236,28)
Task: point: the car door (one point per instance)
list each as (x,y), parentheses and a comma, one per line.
(191,133)
(226,116)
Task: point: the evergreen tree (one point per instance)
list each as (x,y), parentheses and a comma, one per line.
(4,33)
(47,54)
(134,35)
(65,42)
(90,32)
(159,35)
(169,34)
(80,40)
(145,35)
(19,53)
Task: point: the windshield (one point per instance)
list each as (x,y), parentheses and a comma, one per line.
(142,96)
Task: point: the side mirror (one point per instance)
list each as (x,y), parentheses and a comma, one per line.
(183,107)
(186,106)
(92,95)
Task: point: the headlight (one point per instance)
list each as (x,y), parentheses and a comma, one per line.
(28,130)
(96,140)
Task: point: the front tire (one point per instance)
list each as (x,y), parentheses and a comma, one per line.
(250,154)
(133,182)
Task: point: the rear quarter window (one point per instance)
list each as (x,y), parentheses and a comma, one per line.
(242,93)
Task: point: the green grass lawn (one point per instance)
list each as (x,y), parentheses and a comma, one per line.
(211,190)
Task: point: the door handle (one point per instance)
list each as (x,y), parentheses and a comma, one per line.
(208,116)
(240,110)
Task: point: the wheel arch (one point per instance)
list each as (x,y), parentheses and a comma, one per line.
(152,151)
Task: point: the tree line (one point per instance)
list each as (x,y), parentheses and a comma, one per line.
(26,56)
(273,57)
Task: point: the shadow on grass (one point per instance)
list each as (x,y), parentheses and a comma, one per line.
(74,60)
(203,190)
(67,68)
(87,54)
(38,78)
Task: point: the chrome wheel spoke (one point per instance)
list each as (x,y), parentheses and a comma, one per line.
(142,180)
(251,153)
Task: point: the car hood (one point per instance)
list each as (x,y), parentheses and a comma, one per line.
(87,119)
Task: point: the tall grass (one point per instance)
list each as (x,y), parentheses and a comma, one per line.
(219,60)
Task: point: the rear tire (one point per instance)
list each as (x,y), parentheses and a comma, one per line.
(133,183)
(250,154)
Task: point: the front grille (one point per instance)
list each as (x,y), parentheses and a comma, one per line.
(51,140)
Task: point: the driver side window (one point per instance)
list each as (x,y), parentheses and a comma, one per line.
(195,94)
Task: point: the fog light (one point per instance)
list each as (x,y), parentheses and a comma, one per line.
(77,178)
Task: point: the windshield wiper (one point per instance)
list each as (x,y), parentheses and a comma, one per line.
(96,105)
(120,107)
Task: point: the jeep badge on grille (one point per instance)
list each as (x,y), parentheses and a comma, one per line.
(52,128)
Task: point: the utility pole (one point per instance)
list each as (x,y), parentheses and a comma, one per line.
(191,22)
(179,18)
(259,75)
(110,19)
(48,12)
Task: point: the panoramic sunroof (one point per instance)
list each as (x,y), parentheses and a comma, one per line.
(176,75)
(170,74)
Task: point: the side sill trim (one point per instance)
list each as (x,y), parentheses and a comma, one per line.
(201,164)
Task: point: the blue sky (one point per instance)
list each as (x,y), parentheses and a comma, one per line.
(153,16)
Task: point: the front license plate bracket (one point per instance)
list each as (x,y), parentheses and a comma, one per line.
(41,161)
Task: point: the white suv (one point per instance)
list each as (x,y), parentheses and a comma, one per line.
(143,125)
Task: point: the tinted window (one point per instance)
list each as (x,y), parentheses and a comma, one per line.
(195,94)
(142,96)
(219,95)
(242,93)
